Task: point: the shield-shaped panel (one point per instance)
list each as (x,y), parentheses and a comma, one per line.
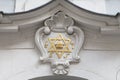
(59,42)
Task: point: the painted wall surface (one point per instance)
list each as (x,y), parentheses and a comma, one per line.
(100,6)
(92,5)
(19,60)
(112,6)
(24,65)
(7,6)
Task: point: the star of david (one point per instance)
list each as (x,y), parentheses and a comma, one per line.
(59,45)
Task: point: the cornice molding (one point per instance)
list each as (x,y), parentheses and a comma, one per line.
(105,23)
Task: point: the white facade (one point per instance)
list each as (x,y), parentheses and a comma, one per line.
(99,55)
(110,7)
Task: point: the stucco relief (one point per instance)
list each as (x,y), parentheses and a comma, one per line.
(59,42)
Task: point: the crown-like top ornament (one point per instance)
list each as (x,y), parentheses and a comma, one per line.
(59,22)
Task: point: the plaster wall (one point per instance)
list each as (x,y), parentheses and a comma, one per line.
(25,64)
(19,59)
(100,6)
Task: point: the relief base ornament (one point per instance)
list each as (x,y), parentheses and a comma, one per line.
(59,42)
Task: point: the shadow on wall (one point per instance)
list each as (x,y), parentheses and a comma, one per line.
(58,78)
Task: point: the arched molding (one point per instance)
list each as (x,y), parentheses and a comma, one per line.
(105,23)
(59,77)
(37,73)
(118,73)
